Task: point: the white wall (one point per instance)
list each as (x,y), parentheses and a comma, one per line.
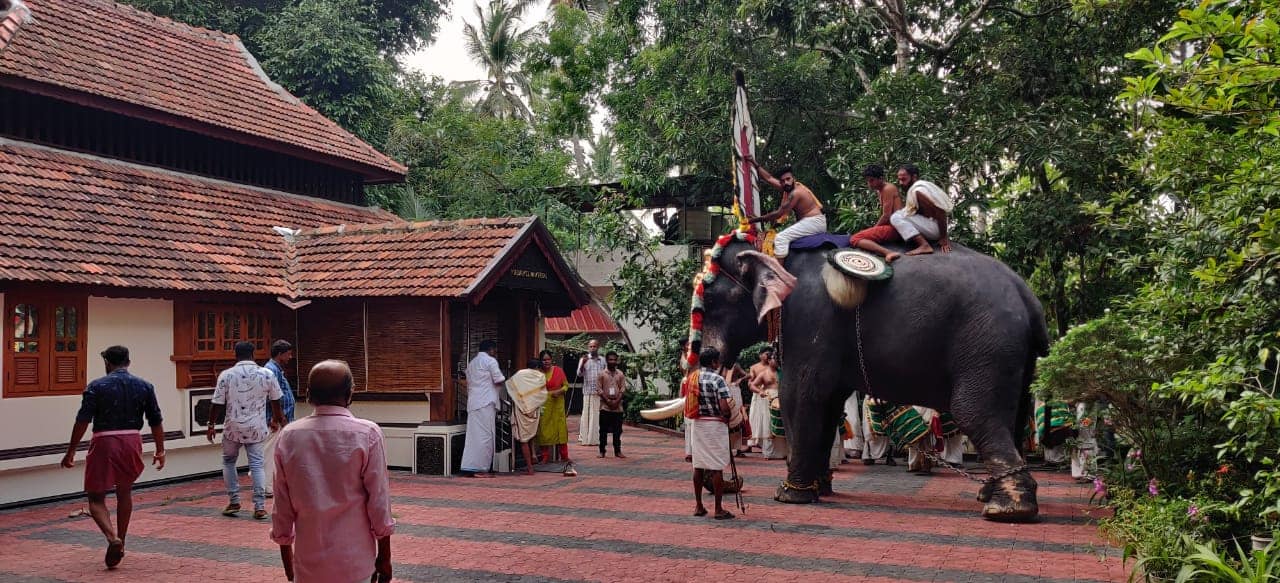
(145,326)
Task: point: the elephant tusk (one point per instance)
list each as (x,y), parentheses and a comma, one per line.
(665,410)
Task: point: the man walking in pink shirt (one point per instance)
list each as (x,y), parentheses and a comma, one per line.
(332,515)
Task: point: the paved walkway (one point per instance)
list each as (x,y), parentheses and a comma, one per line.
(619,520)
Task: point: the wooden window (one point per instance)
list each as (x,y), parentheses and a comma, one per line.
(205,337)
(44,352)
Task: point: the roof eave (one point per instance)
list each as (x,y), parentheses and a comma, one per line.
(372,174)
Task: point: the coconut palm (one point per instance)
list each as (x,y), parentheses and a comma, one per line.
(497,44)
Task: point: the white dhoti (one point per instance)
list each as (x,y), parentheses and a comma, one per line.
(709,440)
(589,422)
(837,452)
(269,459)
(802,228)
(688,432)
(1055,455)
(910,226)
(759,419)
(477,446)
(853,414)
(916,459)
(874,446)
(1082,460)
(953,449)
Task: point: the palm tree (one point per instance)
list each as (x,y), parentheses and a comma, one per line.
(498,45)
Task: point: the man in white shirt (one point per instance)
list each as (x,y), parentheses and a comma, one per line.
(243,392)
(484,381)
(589,368)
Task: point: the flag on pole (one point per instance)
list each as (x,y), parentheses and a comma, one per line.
(746,201)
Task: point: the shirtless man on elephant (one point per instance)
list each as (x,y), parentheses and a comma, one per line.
(795,197)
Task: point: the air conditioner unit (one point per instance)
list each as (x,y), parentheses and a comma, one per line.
(437,449)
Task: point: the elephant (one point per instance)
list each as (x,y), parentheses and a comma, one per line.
(956,332)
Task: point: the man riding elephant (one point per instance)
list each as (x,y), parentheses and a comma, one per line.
(795,197)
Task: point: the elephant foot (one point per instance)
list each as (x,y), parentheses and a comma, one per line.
(1010,499)
(789,493)
(824,485)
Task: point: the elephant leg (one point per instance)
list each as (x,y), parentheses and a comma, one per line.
(985,409)
(810,426)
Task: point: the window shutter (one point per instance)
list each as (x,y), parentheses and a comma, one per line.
(26,374)
(331,329)
(405,346)
(67,350)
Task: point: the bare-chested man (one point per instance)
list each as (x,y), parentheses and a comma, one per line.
(764,383)
(924,216)
(870,239)
(795,197)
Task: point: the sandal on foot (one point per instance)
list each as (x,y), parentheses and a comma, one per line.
(724,515)
(115,552)
(700,512)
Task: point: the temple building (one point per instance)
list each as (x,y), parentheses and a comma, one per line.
(161,193)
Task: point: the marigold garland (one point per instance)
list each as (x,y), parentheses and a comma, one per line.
(710,270)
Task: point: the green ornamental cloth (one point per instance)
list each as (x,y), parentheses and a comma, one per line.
(949,426)
(1054,421)
(902,423)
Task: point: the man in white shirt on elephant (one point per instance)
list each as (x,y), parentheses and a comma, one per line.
(924,218)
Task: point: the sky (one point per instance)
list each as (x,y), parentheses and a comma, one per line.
(447,57)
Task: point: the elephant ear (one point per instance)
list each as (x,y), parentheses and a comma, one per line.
(773,282)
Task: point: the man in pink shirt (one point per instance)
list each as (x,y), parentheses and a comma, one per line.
(332,496)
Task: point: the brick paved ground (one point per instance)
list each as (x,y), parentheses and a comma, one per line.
(620,520)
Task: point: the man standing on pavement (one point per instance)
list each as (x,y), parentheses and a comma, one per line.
(707,408)
(243,392)
(484,382)
(612,384)
(589,368)
(115,404)
(332,515)
(281,355)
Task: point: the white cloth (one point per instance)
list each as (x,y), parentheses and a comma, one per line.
(484,380)
(589,423)
(932,191)
(953,449)
(1082,465)
(477,446)
(853,414)
(1055,455)
(269,460)
(915,453)
(245,390)
(802,228)
(837,452)
(758,417)
(875,446)
(528,391)
(910,226)
(709,441)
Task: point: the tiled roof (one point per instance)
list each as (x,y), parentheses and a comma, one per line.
(434,258)
(72,218)
(589,319)
(77,219)
(128,56)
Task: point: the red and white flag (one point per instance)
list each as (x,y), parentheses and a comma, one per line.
(747,188)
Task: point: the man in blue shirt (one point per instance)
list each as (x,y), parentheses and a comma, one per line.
(281,356)
(116,405)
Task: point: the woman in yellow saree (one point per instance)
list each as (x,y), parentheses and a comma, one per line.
(553,429)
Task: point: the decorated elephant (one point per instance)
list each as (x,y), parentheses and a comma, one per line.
(956,332)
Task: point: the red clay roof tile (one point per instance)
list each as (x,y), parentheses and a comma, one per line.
(110,50)
(72,218)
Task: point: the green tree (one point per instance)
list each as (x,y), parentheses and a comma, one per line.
(496,43)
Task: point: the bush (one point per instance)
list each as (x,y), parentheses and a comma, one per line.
(1156,530)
